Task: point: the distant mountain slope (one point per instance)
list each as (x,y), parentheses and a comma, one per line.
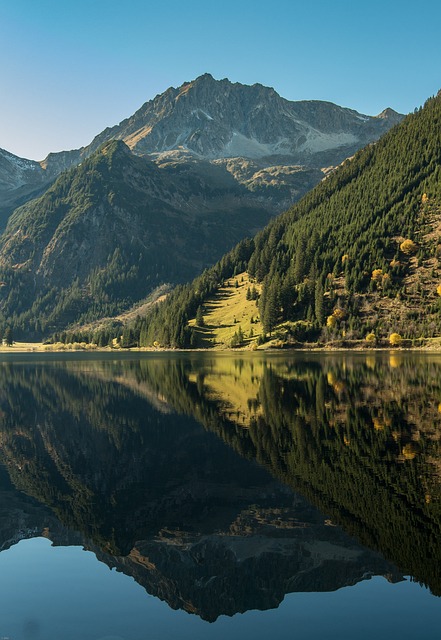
(358,255)
(20,180)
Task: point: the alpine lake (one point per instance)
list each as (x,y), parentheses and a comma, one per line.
(244,495)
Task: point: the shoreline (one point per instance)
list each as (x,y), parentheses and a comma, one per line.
(39,348)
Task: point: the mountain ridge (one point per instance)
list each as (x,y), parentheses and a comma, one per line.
(114,228)
(246,121)
(148,121)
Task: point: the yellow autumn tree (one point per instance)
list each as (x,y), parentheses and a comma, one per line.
(339,313)
(331,321)
(395,339)
(408,247)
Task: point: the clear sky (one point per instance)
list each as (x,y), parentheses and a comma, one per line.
(69,68)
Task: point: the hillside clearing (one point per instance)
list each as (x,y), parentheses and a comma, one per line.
(227,312)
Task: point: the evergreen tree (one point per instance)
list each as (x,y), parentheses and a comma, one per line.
(8,336)
(319,306)
(200,322)
(270,307)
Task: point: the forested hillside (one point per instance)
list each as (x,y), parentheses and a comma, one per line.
(357,257)
(112,230)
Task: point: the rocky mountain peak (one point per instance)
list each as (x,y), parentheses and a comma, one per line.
(215,119)
(391,115)
(114,148)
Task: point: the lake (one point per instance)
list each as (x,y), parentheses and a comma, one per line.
(163,496)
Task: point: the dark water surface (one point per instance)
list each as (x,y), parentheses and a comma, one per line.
(239,496)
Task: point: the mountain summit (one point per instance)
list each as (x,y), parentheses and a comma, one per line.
(216,120)
(219,119)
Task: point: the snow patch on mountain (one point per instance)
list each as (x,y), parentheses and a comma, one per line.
(317,141)
(16,172)
(240,145)
(21,164)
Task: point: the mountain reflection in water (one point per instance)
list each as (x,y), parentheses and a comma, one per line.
(218,482)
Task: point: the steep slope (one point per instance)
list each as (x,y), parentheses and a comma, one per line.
(358,255)
(111,230)
(22,180)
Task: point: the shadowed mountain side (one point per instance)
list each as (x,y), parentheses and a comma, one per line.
(266,553)
(108,463)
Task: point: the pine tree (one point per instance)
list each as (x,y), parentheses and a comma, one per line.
(200,322)
(8,337)
(318,303)
(269,311)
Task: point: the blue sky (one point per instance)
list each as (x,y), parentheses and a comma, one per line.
(69,68)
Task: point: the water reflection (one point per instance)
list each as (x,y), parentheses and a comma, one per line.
(137,459)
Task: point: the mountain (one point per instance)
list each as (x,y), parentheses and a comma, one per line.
(21,179)
(357,257)
(272,548)
(159,197)
(217,120)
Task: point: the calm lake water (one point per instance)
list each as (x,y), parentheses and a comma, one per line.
(211,496)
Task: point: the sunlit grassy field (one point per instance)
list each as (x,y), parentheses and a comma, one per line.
(228,310)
